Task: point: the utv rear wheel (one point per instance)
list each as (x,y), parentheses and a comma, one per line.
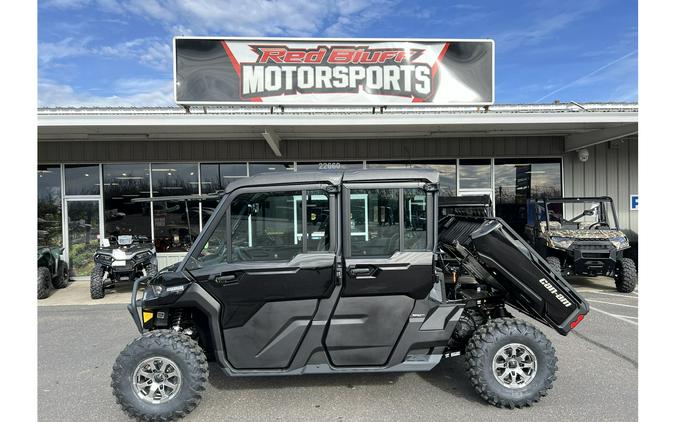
(160,376)
(96,288)
(554,263)
(626,275)
(510,363)
(44,283)
(61,279)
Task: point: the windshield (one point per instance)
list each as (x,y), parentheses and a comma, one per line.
(579,215)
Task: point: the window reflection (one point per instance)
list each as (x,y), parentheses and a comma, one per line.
(516,181)
(447,172)
(176,222)
(474,174)
(82,180)
(257,168)
(170,179)
(49,206)
(121,184)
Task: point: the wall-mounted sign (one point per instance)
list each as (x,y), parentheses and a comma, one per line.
(333,72)
(633,202)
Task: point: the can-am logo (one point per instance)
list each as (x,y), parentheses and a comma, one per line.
(555,293)
(280,70)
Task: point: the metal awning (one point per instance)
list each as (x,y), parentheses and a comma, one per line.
(581,124)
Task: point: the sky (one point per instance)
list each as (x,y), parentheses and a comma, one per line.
(118,52)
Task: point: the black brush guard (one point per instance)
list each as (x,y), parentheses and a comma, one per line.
(495,254)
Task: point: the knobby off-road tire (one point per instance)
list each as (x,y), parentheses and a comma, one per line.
(61,279)
(626,276)
(44,283)
(482,353)
(169,346)
(96,288)
(554,263)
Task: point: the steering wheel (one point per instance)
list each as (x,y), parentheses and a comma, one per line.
(596,226)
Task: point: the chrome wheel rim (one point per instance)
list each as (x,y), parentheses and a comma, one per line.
(156,380)
(514,365)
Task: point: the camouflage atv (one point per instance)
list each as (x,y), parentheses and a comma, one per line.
(52,271)
(581,236)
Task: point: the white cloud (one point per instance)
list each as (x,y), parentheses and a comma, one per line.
(248,18)
(150,52)
(130,92)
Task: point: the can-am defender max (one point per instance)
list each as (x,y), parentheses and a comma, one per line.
(121,258)
(308,273)
(581,236)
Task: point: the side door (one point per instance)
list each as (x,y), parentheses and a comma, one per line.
(387,238)
(269,258)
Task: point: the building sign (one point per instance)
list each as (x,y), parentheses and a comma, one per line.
(633,202)
(333,72)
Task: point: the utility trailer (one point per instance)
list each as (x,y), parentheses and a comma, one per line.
(341,273)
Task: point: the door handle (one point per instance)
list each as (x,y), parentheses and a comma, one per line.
(360,271)
(226,279)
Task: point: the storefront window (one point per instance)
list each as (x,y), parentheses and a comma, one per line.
(516,181)
(330,166)
(121,184)
(216,177)
(82,180)
(257,168)
(176,222)
(448,172)
(49,206)
(474,174)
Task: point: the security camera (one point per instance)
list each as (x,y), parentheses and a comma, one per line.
(583,155)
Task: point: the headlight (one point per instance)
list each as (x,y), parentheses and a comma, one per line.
(157,289)
(619,242)
(558,242)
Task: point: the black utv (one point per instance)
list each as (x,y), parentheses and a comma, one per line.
(581,236)
(309,273)
(121,258)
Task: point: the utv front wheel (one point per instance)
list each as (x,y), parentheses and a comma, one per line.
(96,287)
(626,275)
(554,263)
(510,363)
(160,376)
(44,284)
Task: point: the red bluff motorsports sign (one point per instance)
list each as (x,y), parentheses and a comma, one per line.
(333,72)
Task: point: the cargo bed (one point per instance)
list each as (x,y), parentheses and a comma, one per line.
(493,253)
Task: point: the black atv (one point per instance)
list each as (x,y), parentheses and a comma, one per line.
(267,289)
(581,236)
(52,270)
(121,258)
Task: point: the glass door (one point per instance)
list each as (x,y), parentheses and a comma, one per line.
(84,232)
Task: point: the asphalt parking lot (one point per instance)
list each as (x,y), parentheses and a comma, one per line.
(597,375)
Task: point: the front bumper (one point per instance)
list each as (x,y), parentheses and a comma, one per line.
(594,257)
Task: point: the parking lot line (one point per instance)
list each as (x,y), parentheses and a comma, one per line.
(623,318)
(611,303)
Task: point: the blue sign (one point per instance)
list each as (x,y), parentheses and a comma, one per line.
(633,202)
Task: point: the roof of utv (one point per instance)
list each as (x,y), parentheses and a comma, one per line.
(336,178)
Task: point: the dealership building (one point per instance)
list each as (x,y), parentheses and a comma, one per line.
(93,161)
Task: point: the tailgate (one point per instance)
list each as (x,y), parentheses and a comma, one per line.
(529,283)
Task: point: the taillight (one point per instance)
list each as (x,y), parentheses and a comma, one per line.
(579,319)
